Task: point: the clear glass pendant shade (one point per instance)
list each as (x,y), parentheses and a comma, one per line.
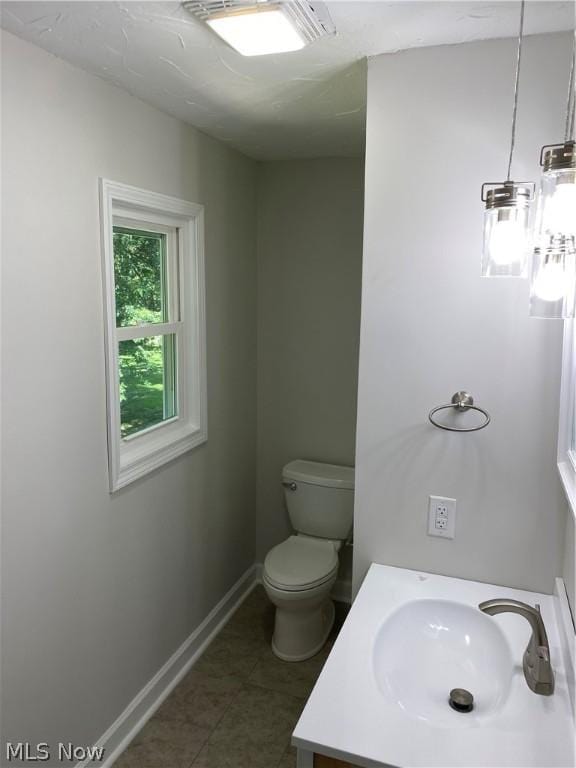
(553,285)
(507,239)
(552,293)
(558,203)
(507,213)
(506,242)
(556,213)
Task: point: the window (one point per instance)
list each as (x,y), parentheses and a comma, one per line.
(155,336)
(567,424)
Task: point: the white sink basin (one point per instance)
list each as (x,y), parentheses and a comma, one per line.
(411,637)
(426,648)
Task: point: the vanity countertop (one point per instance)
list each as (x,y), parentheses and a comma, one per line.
(352,717)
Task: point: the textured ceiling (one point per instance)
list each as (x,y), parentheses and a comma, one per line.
(309,103)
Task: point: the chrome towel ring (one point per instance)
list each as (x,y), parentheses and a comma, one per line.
(462,401)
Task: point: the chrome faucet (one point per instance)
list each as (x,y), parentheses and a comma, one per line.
(536,663)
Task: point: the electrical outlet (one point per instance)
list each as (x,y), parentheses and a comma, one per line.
(441,516)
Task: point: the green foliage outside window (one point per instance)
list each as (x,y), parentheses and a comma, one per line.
(146,365)
(139,259)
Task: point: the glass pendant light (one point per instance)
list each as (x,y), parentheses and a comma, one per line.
(553,285)
(507,214)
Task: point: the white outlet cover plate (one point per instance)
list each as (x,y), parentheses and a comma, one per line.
(441,511)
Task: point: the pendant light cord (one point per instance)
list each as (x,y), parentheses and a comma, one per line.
(515,108)
(571,101)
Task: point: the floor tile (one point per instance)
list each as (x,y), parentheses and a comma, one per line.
(254,731)
(254,618)
(164,744)
(200,699)
(239,704)
(230,655)
(295,679)
(288,760)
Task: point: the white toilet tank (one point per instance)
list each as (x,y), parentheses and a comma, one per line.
(320,498)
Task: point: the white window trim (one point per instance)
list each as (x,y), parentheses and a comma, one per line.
(133,457)
(566,457)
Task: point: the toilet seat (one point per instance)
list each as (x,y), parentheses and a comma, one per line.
(301,563)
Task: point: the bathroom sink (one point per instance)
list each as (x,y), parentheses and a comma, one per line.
(411,637)
(428,647)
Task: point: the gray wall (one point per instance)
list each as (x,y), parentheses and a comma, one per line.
(437,127)
(100,590)
(309,274)
(568,573)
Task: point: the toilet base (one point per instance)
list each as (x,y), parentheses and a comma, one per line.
(299,635)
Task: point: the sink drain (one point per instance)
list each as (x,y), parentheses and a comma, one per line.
(461,700)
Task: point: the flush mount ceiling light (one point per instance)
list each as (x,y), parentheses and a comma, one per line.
(507,212)
(553,285)
(259,28)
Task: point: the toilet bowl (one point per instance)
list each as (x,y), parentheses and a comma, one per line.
(299,573)
(298,576)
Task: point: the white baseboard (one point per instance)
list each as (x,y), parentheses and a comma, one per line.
(567,638)
(145,703)
(341,591)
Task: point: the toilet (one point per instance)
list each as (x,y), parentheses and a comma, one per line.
(299,573)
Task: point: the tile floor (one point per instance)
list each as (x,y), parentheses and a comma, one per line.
(238,705)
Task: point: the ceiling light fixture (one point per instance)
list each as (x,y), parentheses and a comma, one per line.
(507,212)
(553,285)
(260,27)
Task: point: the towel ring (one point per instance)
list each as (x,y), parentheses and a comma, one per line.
(462,401)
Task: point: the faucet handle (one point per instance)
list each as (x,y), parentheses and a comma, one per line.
(536,662)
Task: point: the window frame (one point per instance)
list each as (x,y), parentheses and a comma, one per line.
(567,416)
(134,456)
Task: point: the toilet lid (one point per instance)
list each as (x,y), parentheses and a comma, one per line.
(301,562)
